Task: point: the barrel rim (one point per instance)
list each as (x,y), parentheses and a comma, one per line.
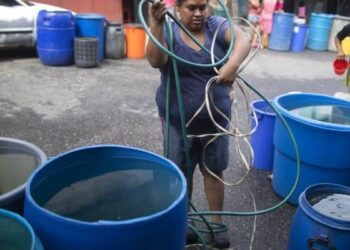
(345,18)
(283,14)
(103,223)
(40,157)
(88,15)
(317,216)
(23,222)
(329,16)
(253,103)
(307,121)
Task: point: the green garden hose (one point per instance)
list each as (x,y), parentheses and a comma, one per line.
(212,227)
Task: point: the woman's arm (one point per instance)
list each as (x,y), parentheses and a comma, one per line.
(227,73)
(340,52)
(155,56)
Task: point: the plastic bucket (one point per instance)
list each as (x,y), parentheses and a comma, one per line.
(282,30)
(318,222)
(18,159)
(319,32)
(321,127)
(338,23)
(262,139)
(340,66)
(108,197)
(299,37)
(92,25)
(16,233)
(55,37)
(135,41)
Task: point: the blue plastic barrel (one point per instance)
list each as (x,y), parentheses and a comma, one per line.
(282,30)
(55,37)
(299,37)
(320,28)
(92,25)
(18,160)
(322,219)
(16,233)
(108,197)
(261,139)
(321,127)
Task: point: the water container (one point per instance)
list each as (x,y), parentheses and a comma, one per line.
(115,40)
(261,140)
(135,41)
(16,233)
(321,127)
(108,197)
(18,159)
(317,223)
(299,37)
(92,25)
(282,30)
(320,28)
(55,37)
(338,23)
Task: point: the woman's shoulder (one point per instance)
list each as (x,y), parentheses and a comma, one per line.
(213,22)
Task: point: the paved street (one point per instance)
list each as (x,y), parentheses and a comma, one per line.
(62,108)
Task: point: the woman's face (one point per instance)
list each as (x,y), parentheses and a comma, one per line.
(193,13)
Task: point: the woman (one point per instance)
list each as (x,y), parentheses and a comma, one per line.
(193,15)
(341,35)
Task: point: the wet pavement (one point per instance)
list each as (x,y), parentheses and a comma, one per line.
(62,108)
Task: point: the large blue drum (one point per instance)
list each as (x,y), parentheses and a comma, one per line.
(321,127)
(92,25)
(322,220)
(320,29)
(108,197)
(55,37)
(299,37)
(282,30)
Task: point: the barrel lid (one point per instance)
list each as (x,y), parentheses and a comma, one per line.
(89,16)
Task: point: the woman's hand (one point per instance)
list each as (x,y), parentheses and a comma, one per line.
(340,55)
(227,74)
(158,11)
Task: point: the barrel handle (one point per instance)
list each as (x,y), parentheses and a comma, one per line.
(321,239)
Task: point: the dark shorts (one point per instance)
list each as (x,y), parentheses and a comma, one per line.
(216,154)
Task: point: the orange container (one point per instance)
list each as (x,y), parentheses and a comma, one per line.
(340,66)
(135,41)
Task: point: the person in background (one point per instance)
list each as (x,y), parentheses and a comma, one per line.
(254,10)
(341,35)
(193,14)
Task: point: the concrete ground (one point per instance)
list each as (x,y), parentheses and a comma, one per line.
(62,108)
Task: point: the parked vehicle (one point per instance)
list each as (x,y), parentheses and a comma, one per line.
(18,22)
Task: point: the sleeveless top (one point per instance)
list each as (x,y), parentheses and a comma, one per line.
(193,79)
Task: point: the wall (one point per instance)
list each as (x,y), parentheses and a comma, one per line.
(111,9)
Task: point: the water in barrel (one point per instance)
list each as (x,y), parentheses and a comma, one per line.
(138,188)
(14,170)
(325,113)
